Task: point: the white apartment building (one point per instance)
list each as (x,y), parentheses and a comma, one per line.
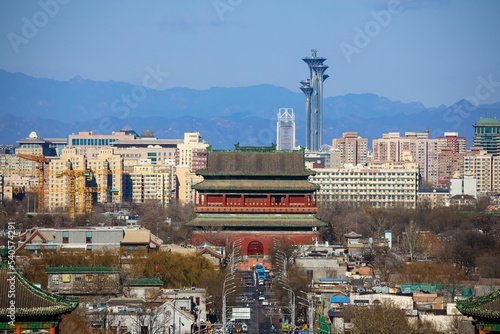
(152,182)
(192,152)
(379,184)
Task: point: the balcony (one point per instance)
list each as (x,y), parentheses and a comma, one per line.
(255,209)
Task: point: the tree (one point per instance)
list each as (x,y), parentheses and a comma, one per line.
(377,319)
(176,270)
(385,262)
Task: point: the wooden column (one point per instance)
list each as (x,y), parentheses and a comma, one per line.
(52,330)
(18,329)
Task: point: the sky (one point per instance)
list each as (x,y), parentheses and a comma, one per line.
(430,51)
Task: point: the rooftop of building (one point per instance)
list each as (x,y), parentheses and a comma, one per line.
(255,162)
(257,220)
(488,121)
(29,299)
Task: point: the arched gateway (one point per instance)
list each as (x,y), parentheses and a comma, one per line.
(255,248)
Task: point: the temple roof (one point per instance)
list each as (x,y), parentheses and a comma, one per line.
(259,185)
(29,299)
(233,163)
(146,281)
(256,220)
(487,306)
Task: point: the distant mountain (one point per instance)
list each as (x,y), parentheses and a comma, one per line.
(223,116)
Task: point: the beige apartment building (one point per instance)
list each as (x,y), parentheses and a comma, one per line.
(417,145)
(192,152)
(186,180)
(65,182)
(153,183)
(351,149)
(485,168)
(386,184)
(74,182)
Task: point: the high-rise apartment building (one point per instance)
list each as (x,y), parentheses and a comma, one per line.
(414,146)
(285,129)
(478,165)
(192,151)
(152,183)
(352,149)
(487,135)
(65,182)
(450,165)
(453,142)
(313,91)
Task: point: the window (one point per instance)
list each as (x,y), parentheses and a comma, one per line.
(65,237)
(88,238)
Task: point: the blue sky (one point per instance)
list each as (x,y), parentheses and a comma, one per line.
(430,51)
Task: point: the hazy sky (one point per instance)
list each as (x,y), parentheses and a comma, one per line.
(435,52)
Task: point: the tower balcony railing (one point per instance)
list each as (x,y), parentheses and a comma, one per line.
(259,209)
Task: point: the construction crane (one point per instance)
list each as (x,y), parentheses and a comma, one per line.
(74,189)
(41,161)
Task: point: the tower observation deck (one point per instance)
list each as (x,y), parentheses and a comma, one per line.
(313,91)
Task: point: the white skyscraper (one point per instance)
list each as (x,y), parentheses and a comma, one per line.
(285,129)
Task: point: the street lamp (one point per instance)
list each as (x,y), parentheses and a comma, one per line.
(310,310)
(176,291)
(232,288)
(292,304)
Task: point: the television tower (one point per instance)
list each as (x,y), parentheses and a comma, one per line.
(313,91)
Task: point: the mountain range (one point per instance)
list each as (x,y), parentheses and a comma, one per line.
(223,116)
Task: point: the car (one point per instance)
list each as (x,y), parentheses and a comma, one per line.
(262,297)
(265,302)
(244,327)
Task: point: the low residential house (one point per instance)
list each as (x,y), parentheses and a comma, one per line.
(320,261)
(137,316)
(146,287)
(432,198)
(429,302)
(463,200)
(89,238)
(84,280)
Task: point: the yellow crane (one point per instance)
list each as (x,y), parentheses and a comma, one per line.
(41,161)
(79,188)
